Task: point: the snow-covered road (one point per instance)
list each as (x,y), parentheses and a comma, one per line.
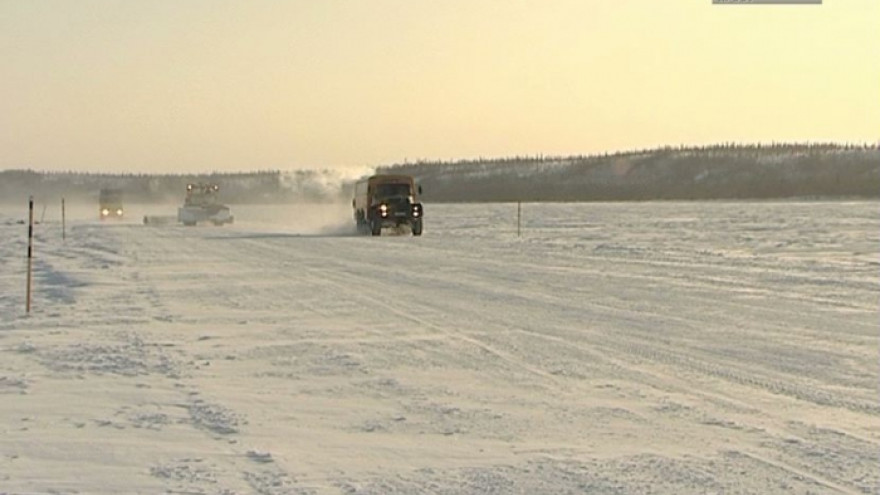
(671,348)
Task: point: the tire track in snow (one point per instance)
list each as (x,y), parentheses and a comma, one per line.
(690,275)
(625,343)
(826,483)
(343,286)
(619,350)
(325,263)
(633,345)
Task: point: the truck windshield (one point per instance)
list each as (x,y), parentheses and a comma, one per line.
(389,190)
(110,197)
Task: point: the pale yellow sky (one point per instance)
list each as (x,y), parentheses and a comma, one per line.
(228,85)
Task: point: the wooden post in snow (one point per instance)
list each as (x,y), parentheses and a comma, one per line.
(30,253)
(63,222)
(518,218)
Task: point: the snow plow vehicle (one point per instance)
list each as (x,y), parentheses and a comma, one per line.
(384,201)
(110,204)
(201,205)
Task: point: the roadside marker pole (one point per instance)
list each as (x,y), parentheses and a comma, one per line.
(518,218)
(63,222)
(30,253)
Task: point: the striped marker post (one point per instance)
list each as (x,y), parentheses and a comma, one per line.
(30,253)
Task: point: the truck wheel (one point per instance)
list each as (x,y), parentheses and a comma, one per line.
(417,227)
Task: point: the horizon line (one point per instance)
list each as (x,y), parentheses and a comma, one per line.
(538,156)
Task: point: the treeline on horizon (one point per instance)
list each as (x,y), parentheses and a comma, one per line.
(726,171)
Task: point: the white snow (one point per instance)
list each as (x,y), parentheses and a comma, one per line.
(631,348)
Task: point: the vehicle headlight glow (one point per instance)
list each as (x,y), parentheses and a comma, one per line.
(105,212)
(119,212)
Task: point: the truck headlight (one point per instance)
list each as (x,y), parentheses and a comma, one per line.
(105,212)
(119,212)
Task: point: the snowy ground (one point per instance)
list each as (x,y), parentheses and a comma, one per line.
(643,348)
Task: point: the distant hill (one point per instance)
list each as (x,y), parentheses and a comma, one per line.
(716,172)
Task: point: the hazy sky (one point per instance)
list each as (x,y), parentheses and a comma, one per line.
(227,85)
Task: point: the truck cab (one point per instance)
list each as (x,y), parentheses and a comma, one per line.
(110,204)
(201,205)
(387,201)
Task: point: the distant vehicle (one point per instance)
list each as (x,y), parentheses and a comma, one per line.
(201,205)
(110,204)
(387,201)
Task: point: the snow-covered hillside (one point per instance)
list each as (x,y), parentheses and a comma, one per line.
(641,348)
(803,171)
(717,172)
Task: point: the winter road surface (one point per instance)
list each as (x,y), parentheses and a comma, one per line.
(651,348)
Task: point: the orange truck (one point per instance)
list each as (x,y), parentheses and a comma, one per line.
(387,201)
